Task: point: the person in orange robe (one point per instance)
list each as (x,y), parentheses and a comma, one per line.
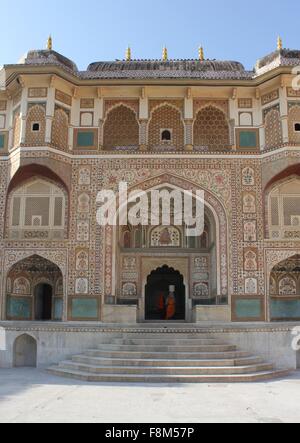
(171,306)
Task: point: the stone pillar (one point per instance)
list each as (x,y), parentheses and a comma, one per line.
(10,124)
(74,120)
(262,138)
(189,146)
(65,300)
(258,121)
(144,109)
(71,137)
(99,117)
(144,119)
(50,109)
(232,138)
(23,114)
(285,129)
(49,121)
(101,134)
(233,120)
(188,120)
(284,112)
(143,138)
(234,111)
(3,296)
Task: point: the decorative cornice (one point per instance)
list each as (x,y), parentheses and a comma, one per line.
(230,329)
(153,155)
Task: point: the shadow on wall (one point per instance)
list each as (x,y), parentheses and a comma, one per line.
(25,352)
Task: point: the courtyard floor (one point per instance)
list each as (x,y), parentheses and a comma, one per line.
(33,396)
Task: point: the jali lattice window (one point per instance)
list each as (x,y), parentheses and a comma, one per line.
(284,210)
(37,211)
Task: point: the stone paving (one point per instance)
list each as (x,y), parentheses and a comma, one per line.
(32,396)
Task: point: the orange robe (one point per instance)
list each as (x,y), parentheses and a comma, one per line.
(171,307)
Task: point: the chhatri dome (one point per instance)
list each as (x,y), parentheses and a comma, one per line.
(164,68)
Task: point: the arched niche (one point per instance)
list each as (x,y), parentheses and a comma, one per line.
(25,352)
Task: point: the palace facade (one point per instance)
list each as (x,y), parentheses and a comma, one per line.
(162,124)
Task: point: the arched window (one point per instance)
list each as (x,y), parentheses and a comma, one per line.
(297,127)
(37,211)
(294,124)
(166,135)
(211,129)
(121,129)
(60,129)
(273,128)
(36,126)
(284,210)
(166,126)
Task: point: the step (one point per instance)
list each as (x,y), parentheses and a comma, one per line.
(131,370)
(166,342)
(166,348)
(126,378)
(96,361)
(165,355)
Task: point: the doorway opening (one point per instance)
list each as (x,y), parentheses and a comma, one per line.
(25,352)
(160,283)
(43,302)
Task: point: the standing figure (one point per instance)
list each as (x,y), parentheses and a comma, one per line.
(171,304)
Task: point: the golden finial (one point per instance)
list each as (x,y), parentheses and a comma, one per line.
(279,44)
(165,54)
(201,54)
(128,54)
(49,43)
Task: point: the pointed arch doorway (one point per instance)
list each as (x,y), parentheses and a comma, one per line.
(157,290)
(43,302)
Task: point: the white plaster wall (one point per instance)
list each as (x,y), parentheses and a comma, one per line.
(61,341)
(273,347)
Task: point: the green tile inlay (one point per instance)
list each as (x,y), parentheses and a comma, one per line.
(19,308)
(84,308)
(281,309)
(58,308)
(85,139)
(248,309)
(248,139)
(2,141)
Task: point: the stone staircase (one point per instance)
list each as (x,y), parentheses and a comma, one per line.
(166,358)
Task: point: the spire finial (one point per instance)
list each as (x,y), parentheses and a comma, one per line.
(201,53)
(49,43)
(128,54)
(165,54)
(279,44)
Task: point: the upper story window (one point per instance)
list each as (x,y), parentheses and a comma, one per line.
(284,210)
(297,127)
(37,211)
(36,127)
(166,135)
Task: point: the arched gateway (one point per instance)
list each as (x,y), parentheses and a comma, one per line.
(160,283)
(34,290)
(145,254)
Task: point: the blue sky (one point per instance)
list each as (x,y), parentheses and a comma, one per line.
(101,29)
